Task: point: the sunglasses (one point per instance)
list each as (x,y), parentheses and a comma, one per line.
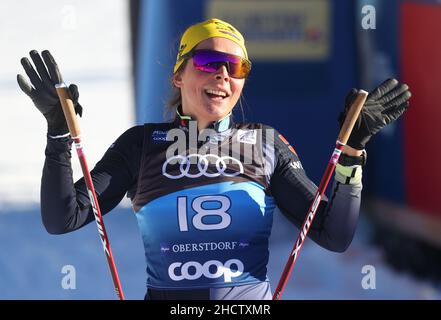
(210,61)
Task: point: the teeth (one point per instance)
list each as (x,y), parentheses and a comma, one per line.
(216,92)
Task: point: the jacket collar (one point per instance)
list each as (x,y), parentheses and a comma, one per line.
(219,126)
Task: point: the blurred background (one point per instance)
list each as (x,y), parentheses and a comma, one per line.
(306,56)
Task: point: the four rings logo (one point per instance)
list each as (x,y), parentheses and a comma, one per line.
(211,269)
(203,161)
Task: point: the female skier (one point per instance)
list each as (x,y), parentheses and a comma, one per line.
(204,187)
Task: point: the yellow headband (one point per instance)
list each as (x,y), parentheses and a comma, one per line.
(207,29)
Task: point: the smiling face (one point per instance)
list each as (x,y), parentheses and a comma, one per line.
(209,97)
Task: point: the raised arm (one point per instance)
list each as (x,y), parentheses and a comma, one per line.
(65,206)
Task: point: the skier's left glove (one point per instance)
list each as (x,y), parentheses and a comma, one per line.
(384,104)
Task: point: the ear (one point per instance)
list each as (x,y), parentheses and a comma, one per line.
(177,80)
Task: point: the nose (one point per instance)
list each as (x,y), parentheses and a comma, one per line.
(222,73)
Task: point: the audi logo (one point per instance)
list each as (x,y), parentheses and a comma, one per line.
(202,165)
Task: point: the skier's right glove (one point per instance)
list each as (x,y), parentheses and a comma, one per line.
(43,93)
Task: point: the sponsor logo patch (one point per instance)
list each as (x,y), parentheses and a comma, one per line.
(212,269)
(296,164)
(247,136)
(159,136)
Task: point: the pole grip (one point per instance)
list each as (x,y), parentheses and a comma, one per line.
(68,110)
(351,117)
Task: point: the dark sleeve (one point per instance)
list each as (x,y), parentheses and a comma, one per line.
(65,206)
(336,219)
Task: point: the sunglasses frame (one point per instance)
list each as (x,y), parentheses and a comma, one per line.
(193,52)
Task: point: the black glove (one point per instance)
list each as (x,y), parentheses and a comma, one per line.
(383,105)
(43,93)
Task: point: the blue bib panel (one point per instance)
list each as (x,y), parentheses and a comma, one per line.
(214,235)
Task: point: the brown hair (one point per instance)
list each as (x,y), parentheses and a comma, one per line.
(175,99)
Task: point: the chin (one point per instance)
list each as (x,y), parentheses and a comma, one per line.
(217,112)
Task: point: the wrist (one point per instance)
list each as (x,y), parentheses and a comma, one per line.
(348,160)
(351,151)
(59,136)
(57,128)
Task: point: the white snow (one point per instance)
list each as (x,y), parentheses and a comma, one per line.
(90,42)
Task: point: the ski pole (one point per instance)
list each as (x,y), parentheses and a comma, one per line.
(342,139)
(74,129)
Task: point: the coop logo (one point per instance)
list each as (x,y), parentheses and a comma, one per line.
(159,135)
(212,269)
